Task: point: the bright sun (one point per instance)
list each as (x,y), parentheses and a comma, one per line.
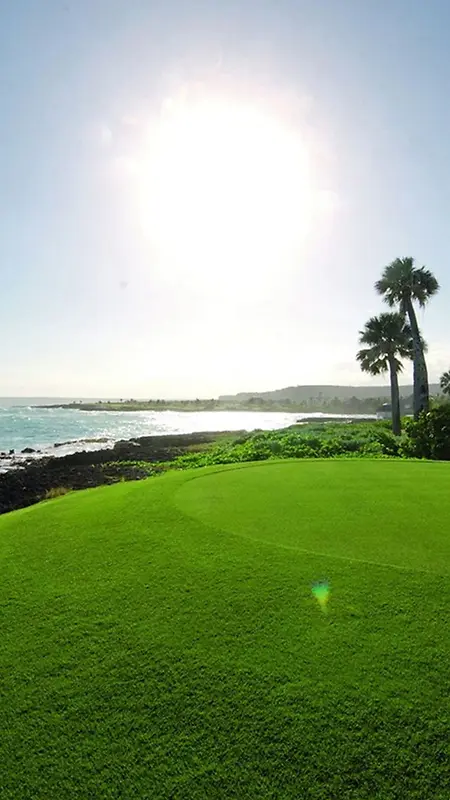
(224,187)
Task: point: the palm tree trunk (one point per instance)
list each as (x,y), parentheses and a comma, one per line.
(420,373)
(395,399)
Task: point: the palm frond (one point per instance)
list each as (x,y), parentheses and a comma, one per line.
(370,361)
(401,281)
(445,382)
(425,285)
(388,339)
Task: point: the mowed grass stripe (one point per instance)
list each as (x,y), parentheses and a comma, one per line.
(147,653)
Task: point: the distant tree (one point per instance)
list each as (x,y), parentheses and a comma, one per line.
(389,339)
(445,382)
(402,284)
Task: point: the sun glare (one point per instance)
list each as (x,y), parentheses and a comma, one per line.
(224,187)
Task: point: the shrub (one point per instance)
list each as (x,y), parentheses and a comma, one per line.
(429,436)
(389,444)
(372,449)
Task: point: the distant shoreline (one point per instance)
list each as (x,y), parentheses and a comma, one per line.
(160,405)
(198,406)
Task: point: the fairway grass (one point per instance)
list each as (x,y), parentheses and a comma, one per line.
(161,640)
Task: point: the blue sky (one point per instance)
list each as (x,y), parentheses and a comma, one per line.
(105,290)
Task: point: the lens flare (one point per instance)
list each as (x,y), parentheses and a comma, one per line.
(321,592)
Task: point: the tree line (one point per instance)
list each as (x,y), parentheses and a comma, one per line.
(391,337)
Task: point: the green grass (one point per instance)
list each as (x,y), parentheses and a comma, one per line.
(160,639)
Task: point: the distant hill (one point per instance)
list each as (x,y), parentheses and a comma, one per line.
(296,394)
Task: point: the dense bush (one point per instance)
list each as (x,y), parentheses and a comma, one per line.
(429,436)
(390,444)
(317,440)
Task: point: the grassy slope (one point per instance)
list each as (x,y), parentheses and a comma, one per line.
(161,640)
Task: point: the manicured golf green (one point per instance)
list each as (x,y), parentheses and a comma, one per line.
(161,639)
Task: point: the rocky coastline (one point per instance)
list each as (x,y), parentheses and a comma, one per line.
(29,480)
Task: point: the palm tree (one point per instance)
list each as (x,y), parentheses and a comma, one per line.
(445,382)
(403,284)
(389,339)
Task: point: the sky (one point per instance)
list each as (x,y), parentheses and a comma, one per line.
(196,197)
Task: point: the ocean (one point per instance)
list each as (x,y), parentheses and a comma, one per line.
(22,426)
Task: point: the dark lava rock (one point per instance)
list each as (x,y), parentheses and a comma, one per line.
(145,448)
(28,450)
(25,487)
